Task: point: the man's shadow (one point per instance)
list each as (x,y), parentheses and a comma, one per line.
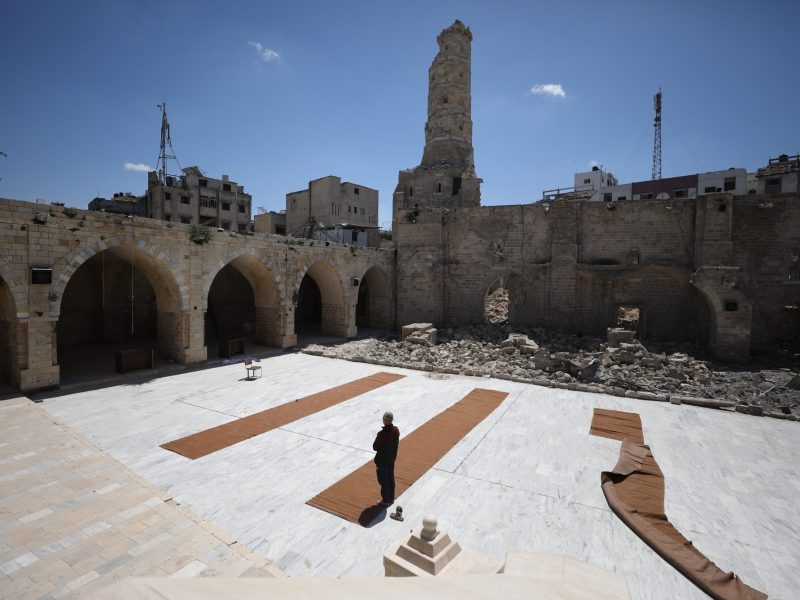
(372,515)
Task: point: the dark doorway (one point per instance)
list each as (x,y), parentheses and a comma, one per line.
(231,307)
(308,313)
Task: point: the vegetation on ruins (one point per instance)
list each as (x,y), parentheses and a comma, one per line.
(200,234)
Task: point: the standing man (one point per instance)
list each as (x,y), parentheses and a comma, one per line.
(385,446)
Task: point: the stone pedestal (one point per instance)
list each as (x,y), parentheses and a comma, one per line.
(431,552)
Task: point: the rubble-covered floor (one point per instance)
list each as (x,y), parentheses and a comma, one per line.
(496,348)
(525,479)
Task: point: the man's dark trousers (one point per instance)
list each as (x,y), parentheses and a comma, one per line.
(386,481)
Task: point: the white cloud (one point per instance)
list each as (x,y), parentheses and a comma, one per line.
(129,166)
(266,54)
(549,89)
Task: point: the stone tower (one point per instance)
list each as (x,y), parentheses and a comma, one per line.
(446,176)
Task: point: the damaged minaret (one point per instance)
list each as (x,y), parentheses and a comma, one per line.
(446,177)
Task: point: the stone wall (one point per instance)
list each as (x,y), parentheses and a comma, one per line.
(179,273)
(716,269)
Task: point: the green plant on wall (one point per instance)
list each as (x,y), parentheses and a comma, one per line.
(295,298)
(70,212)
(200,234)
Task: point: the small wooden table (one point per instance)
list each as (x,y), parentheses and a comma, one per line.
(230,347)
(136,358)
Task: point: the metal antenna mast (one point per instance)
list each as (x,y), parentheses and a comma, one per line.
(166,140)
(657,138)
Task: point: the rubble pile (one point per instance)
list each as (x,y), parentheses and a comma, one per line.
(667,371)
(496,308)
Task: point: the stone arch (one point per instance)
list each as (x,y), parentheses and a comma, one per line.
(374,304)
(731,314)
(150,264)
(246,259)
(16,288)
(268,292)
(163,273)
(335,311)
(10,330)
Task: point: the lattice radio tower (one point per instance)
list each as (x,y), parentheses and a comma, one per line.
(166,140)
(657,138)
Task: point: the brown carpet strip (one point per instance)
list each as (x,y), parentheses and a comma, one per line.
(355,497)
(617,425)
(208,441)
(634,490)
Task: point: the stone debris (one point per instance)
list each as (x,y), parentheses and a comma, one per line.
(657,371)
(420,333)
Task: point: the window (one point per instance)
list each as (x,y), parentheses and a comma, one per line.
(167,196)
(356,191)
(167,217)
(456,185)
(226,206)
(208,221)
(226,225)
(622,198)
(184,199)
(773,185)
(731,306)
(587,181)
(647,196)
(226,187)
(280,230)
(681,193)
(439,187)
(242,227)
(186,220)
(241,208)
(208,202)
(204,183)
(730,184)
(411,192)
(363,211)
(710,189)
(607,197)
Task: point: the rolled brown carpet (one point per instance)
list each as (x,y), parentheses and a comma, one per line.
(356,496)
(634,490)
(219,437)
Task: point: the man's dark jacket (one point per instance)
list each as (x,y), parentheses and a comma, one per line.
(385,445)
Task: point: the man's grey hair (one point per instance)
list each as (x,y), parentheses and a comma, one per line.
(387,416)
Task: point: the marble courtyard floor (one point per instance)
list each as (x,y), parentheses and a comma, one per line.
(526,479)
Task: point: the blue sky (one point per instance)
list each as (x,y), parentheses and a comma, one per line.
(277,93)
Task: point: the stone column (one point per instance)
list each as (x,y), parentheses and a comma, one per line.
(42,370)
(181,336)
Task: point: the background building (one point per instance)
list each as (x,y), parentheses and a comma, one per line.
(781,175)
(599,185)
(332,204)
(123,203)
(196,199)
(271,222)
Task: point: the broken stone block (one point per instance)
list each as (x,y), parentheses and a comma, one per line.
(413,328)
(616,335)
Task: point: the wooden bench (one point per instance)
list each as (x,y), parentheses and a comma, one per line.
(231,346)
(136,358)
